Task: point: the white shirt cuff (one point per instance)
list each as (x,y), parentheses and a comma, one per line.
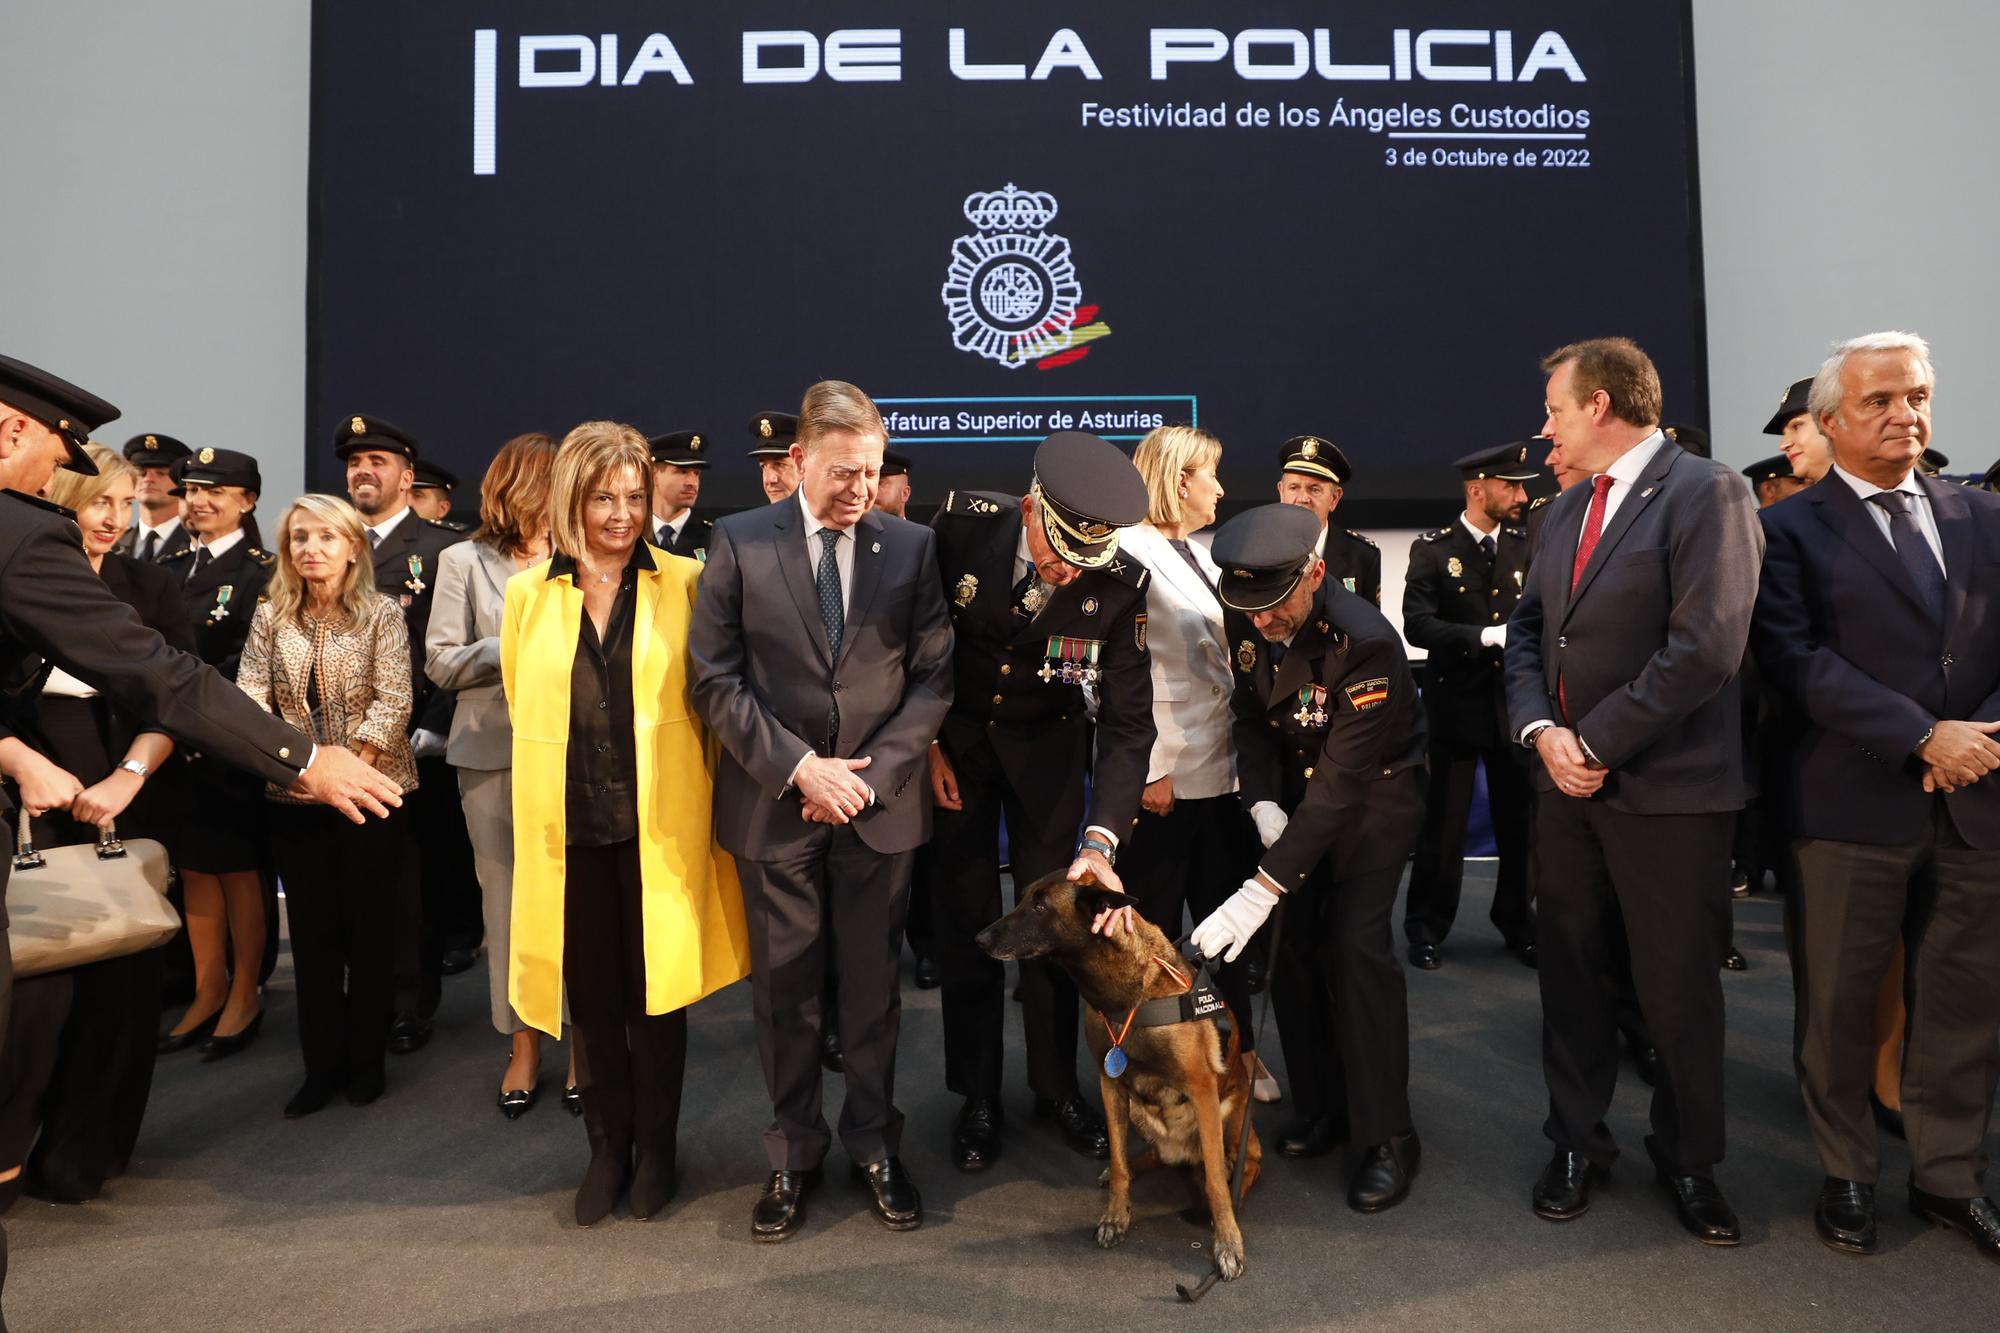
(1522,735)
(1109,836)
(793,780)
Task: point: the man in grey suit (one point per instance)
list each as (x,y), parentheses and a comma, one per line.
(822,660)
(1621,665)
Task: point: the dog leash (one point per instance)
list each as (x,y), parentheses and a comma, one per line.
(1190,1295)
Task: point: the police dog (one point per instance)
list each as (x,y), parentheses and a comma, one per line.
(1184,1088)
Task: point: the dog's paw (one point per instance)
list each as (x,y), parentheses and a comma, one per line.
(1229,1258)
(1112,1230)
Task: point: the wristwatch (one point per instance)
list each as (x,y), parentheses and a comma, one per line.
(1528,736)
(134,766)
(1103,848)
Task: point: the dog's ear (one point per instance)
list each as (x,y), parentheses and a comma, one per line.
(1090,899)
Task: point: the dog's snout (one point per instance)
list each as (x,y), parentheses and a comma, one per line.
(991,945)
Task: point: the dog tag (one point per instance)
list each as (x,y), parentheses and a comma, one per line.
(1114,1061)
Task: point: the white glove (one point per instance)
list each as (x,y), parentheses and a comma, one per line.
(1230,926)
(1270,822)
(426,744)
(1493,636)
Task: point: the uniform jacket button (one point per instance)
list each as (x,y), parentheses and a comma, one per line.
(996,698)
(1562,642)
(1309,772)
(1006,668)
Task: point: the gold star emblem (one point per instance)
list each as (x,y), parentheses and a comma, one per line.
(357,425)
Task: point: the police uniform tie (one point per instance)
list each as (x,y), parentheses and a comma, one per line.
(1486,546)
(150,547)
(832,616)
(374,539)
(1913,550)
(202,560)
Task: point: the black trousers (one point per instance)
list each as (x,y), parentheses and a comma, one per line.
(1659,883)
(341,883)
(38,1008)
(1942,899)
(1438,874)
(103,1076)
(1186,863)
(630,1065)
(836,910)
(961,866)
(1343,1010)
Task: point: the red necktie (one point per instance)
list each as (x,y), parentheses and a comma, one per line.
(1593,528)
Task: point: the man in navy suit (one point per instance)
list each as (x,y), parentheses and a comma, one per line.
(822,661)
(1880,615)
(1621,666)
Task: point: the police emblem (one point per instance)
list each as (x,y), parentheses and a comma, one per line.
(152,442)
(1310,449)
(764,427)
(1453,567)
(1011,292)
(1090,606)
(1139,630)
(357,425)
(1246,657)
(205,456)
(968,588)
(1368,694)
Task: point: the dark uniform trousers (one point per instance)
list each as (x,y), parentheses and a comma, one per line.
(1043,803)
(1667,877)
(837,908)
(1942,898)
(1438,876)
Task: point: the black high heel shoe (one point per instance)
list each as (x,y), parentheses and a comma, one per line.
(221,1048)
(517,1102)
(572,1099)
(180,1041)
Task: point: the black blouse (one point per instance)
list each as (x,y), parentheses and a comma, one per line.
(602,805)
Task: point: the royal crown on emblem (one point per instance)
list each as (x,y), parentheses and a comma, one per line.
(1011,209)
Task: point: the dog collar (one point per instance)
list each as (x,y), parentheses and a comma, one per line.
(1115,1060)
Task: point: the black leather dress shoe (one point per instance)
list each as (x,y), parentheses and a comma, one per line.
(517,1102)
(409,1034)
(781,1208)
(1426,956)
(1563,1189)
(1082,1128)
(892,1195)
(1979,1219)
(180,1041)
(975,1136)
(1254,971)
(1525,951)
(1383,1179)
(1703,1211)
(1647,1058)
(456,961)
(572,1099)
(219,1047)
(1889,1122)
(829,1052)
(313,1095)
(927,976)
(1845,1217)
(1739,882)
(1310,1138)
(1735,961)
(363,1089)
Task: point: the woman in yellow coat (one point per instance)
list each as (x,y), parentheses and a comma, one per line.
(619,890)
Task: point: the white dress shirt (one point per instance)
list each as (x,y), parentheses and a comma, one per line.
(666,533)
(379,533)
(221,546)
(1920,508)
(165,533)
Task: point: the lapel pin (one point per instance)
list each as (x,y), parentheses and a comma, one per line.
(875,549)
(1643,494)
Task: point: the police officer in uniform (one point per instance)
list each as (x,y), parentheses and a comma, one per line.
(1043,603)
(431,487)
(771,436)
(1330,757)
(53,605)
(679,459)
(381,461)
(158,534)
(1462,584)
(1314,477)
(893,495)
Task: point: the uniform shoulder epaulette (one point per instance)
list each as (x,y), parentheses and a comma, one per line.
(1437,536)
(263,558)
(39,503)
(979,504)
(1358,537)
(1513,529)
(1538,502)
(1128,571)
(181,554)
(443,527)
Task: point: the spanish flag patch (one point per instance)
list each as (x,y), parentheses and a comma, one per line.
(1367,694)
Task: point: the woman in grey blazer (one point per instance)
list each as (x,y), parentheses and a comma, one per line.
(462,653)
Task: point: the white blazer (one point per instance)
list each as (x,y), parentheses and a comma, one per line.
(1191,680)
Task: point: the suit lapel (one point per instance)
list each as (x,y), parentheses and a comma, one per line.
(1842,510)
(496,568)
(788,537)
(1954,525)
(867,577)
(1629,508)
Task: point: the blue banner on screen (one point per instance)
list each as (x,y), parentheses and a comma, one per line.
(1351,221)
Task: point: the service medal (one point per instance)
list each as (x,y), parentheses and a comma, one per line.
(1036,598)
(1114,1062)
(222,596)
(415,583)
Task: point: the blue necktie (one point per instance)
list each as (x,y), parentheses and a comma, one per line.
(833,617)
(1486,545)
(1913,551)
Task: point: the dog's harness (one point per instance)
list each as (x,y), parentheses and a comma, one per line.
(1196,1001)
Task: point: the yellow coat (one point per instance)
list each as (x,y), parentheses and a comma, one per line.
(692,905)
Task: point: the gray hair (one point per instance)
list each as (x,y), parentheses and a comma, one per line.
(1826,389)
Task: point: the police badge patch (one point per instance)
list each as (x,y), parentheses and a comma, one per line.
(1454,567)
(1139,630)
(1246,657)
(968,588)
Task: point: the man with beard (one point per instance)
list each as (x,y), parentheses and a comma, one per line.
(381,461)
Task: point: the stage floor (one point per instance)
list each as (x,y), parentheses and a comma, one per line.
(429,1211)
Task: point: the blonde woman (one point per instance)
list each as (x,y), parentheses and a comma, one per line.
(1194,842)
(620,894)
(330,655)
